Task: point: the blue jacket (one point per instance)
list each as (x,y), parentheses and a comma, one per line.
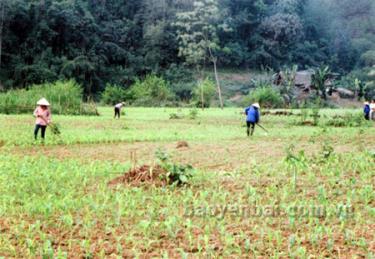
(366,110)
(252,114)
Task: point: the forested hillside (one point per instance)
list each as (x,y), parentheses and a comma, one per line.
(100,42)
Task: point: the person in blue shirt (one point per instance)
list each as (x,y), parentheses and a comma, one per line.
(252,117)
(366,110)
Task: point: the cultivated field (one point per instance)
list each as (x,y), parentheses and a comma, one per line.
(298,191)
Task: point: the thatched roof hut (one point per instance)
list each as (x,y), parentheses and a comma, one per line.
(304,79)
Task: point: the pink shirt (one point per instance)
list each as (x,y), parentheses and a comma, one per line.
(43,117)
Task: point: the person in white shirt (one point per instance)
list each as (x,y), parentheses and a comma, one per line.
(372,110)
(118,108)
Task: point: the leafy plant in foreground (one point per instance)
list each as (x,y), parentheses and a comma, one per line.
(295,161)
(176,174)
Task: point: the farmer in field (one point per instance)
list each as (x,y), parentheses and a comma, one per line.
(372,110)
(366,110)
(252,117)
(43,117)
(118,108)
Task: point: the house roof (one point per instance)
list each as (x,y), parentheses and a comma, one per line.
(303,78)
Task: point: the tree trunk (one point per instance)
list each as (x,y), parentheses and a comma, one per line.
(202,94)
(214,61)
(199,72)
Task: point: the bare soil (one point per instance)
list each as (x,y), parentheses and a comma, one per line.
(226,155)
(182,144)
(142,176)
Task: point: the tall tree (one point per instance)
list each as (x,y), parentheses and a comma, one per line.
(198,36)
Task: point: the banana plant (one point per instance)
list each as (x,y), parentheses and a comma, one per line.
(319,80)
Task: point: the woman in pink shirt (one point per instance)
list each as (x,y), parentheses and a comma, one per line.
(43,117)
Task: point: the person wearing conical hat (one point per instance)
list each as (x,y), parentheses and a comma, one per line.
(252,117)
(43,118)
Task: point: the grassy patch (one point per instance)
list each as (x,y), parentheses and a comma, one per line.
(257,196)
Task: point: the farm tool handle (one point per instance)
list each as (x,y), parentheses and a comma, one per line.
(262,128)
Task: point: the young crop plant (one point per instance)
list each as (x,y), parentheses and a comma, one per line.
(176,174)
(315,115)
(176,116)
(295,162)
(193,113)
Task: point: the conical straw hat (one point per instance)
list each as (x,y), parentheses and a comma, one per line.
(43,102)
(256,105)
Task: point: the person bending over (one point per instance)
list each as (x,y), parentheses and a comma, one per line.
(118,108)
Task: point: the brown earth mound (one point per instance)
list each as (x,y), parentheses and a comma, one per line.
(283,113)
(182,144)
(308,123)
(2,143)
(144,175)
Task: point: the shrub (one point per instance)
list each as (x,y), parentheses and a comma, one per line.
(152,91)
(266,96)
(348,120)
(113,94)
(65,98)
(207,89)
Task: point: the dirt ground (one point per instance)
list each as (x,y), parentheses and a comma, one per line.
(221,156)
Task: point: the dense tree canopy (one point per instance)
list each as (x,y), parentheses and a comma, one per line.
(98,42)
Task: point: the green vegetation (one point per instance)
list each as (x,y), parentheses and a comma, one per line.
(348,120)
(113,95)
(99,187)
(176,174)
(265,95)
(247,197)
(66,97)
(117,43)
(319,79)
(153,91)
(204,93)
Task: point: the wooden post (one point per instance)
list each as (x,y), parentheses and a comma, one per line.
(214,60)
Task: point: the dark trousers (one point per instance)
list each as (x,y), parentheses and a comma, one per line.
(43,131)
(117,113)
(367,116)
(250,125)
